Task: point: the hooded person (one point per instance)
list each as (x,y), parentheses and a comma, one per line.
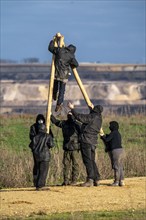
(91,125)
(64,60)
(71,147)
(40,146)
(40,119)
(34,129)
(114,148)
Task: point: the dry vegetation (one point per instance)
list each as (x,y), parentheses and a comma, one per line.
(16,160)
(16,169)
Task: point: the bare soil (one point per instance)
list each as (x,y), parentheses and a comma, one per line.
(57,199)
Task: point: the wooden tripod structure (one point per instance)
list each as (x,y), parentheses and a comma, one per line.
(58,41)
(50,93)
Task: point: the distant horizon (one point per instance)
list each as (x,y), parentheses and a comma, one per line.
(49,62)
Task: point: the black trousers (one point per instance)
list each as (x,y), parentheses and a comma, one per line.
(34,171)
(88,156)
(40,171)
(59,90)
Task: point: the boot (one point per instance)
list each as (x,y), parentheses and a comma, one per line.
(73,183)
(115,183)
(88,183)
(65,183)
(121,183)
(96,183)
(58,108)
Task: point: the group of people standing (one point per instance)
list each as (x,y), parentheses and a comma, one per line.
(80,132)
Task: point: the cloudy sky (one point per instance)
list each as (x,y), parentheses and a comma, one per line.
(106,31)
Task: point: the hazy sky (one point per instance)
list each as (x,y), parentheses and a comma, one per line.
(109,31)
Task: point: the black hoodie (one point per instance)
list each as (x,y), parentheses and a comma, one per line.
(70,131)
(41,144)
(112,140)
(64,59)
(34,128)
(92,123)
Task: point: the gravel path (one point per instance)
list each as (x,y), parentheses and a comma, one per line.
(56,199)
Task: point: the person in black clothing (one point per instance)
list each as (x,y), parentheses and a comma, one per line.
(91,126)
(71,146)
(40,119)
(40,145)
(64,59)
(114,148)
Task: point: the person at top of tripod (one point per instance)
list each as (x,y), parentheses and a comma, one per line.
(64,60)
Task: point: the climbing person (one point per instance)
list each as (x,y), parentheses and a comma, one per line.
(91,125)
(64,60)
(40,145)
(40,119)
(114,148)
(71,147)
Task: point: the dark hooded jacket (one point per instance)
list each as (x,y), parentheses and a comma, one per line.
(64,59)
(34,128)
(70,131)
(92,123)
(41,144)
(113,140)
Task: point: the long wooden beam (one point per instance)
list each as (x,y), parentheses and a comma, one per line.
(85,95)
(58,41)
(50,95)
(50,91)
(89,103)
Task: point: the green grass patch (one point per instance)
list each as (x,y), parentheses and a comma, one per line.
(107,215)
(15,131)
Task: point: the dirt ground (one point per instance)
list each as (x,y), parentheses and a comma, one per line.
(57,199)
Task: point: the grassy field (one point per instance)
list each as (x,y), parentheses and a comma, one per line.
(16,164)
(16,157)
(15,131)
(120,215)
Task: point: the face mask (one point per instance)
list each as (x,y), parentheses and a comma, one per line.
(40,121)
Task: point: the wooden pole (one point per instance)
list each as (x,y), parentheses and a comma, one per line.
(50,91)
(89,103)
(50,94)
(58,39)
